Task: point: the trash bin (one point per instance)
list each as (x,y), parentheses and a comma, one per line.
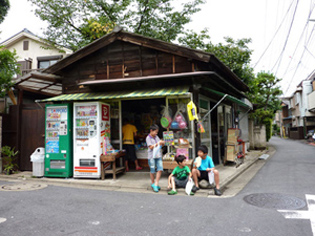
(38,159)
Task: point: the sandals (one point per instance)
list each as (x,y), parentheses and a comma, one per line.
(172,192)
(139,168)
(155,188)
(217,191)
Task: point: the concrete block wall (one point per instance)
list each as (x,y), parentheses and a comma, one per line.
(257,136)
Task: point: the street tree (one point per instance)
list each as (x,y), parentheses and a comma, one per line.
(8,59)
(74,24)
(263,91)
(265,94)
(8,69)
(235,54)
(4,8)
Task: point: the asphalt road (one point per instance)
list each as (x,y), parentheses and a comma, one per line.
(283,181)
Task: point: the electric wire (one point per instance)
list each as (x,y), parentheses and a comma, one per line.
(300,39)
(271,41)
(299,63)
(305,48)
(286,41)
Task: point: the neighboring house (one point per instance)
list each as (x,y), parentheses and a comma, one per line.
(33,52)
(301,113)
(23,124)
(311,99)
(285,118)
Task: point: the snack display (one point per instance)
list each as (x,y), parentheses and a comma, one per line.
(166,119)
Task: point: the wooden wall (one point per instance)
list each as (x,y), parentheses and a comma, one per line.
(123,60)
(24,129)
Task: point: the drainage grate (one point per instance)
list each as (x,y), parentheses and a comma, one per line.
(274,201)
(22,187)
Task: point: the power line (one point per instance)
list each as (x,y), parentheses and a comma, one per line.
(274,34)
(300,61)
(286,41)
(298,43)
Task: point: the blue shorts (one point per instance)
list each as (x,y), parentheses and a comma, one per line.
(155,163)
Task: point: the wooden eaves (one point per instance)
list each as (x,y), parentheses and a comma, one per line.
(119,34)
(41,83)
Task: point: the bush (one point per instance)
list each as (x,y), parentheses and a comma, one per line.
(268,124)
(9,160)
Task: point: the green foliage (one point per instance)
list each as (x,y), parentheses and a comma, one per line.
(8,68)
(275,129)
(268,123)
(264,92)
(74,24)
(4,8)
(194,40)
(235,54)
(9,159)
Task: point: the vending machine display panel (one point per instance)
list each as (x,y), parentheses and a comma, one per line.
(58,141)
(91,120)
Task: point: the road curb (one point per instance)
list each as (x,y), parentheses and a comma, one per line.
(271,151)
(121,186)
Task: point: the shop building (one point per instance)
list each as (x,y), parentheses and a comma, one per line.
(139,76)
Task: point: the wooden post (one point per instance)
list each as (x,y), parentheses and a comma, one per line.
(140,58)
(107,68)
(156,63)
(12,97)
(173,64)
(195,93)
(20,97)
(123,63)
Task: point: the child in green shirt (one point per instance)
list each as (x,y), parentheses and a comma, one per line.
(180,175)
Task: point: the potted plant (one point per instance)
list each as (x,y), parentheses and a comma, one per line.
(8,160)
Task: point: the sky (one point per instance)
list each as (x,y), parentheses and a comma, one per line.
(282,36)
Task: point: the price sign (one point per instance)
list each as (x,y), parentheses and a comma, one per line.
(168,137)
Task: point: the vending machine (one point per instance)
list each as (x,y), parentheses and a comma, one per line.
(58,141)
(91,126)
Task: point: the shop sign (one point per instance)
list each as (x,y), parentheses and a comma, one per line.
(105,112)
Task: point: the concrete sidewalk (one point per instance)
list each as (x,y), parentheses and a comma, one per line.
(140,181)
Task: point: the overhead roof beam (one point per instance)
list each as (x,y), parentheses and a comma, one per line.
(38,75)
(37,91)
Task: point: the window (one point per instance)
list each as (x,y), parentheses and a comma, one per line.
(45,62)
(297,98)
(25,45)
(25,67)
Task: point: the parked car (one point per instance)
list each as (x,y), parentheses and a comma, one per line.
(310,135)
